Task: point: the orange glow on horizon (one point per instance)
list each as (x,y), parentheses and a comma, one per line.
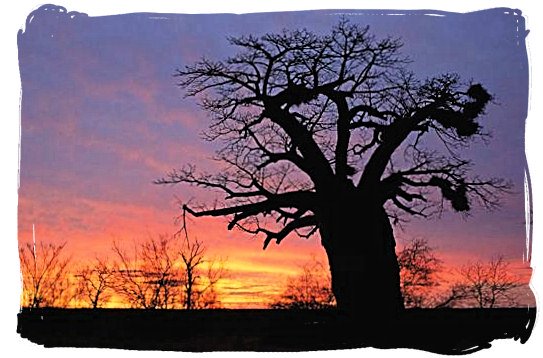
(255,277)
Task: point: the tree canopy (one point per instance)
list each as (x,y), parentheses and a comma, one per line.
(300,114)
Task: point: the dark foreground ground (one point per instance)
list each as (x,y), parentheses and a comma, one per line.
(448,331)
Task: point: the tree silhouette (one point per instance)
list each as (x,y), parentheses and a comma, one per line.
(166,272)
(482,284)
(488,284)
(44,270)
(328,133)
(199,275)
(419,267)
(311,289)
(147,277)
(96,282)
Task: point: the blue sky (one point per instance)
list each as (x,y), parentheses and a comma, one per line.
(102,117)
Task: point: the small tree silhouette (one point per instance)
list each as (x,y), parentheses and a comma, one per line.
(419,267)
(489,284)
(200,275)
(311,289)
(45,275)
(96,282)
(167,272)
(147,277)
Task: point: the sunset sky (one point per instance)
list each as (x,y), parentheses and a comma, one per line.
(101,118)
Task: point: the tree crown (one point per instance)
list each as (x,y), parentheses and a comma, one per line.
(305,118)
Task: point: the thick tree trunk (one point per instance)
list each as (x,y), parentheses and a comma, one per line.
(361,253)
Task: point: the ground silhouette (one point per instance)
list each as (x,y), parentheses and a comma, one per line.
(446,331)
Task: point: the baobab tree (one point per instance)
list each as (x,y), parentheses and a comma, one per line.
(328,134)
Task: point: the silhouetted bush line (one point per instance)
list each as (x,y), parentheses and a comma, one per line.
(158,273)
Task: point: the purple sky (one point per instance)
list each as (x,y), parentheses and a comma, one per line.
(102,118)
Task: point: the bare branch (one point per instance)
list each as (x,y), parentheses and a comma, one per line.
(44,270)
(301,116)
